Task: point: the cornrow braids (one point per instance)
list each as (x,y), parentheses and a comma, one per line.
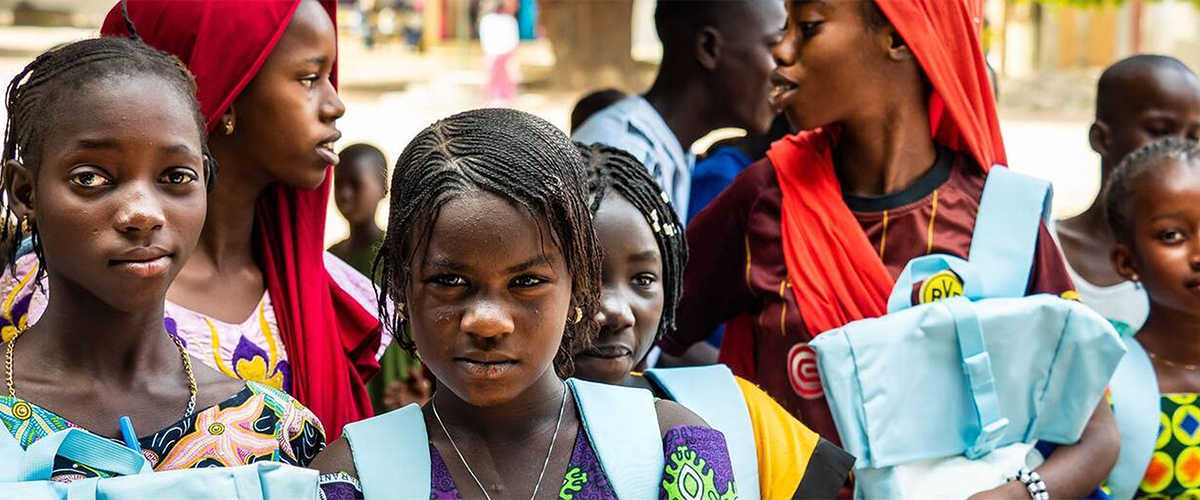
(40,90)
(1120,193)
(508,153)
(613,169)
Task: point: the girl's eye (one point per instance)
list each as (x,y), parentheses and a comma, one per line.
(809,28)
(89,180)
(309,80)
(450,280)
(644,280)
(1170,236)
(178,177)
(527,281)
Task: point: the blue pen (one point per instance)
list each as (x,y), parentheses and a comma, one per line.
(129,435)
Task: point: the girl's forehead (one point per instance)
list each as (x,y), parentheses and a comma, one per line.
(483,227)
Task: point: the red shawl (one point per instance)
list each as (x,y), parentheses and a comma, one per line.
(330,339)
(838,276)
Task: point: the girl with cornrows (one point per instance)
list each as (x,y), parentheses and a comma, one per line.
(260,300)
(107,169)
(773,454)
(493,265)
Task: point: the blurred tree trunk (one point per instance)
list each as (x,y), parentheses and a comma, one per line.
(592,41)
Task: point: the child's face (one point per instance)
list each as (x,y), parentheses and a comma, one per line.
(489,298)
(1165,226)
(119,197)
(829,64)
(358,189)
(286,117)
(631,295)
(1167,105)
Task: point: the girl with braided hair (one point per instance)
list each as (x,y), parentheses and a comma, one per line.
(641,278)
(493,264)
(260,299)
(1152,203)
(107,168)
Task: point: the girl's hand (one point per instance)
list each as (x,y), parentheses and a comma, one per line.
(1012,490)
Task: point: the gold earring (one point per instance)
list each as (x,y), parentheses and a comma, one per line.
(578,316)
(228,127)
(25,224)
(400,311)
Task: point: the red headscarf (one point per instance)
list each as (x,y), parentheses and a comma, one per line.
(838,276)
(330,339)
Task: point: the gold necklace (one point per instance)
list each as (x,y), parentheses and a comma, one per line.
(187,369)
(1172,364)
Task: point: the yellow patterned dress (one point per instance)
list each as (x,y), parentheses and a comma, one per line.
(1174,470)
(258,423)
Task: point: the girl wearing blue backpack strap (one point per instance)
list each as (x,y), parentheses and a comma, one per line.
(107,170)
(773,454)
(493,266)
(1152,203)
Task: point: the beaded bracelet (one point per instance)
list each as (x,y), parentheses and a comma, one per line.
(1033,483)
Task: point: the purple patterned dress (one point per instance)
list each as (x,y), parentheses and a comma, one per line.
(696,466)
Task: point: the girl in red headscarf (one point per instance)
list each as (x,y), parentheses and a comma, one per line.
(899,129)
(260,300)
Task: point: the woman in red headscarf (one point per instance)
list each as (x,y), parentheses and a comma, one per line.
(260,299)
(899,129)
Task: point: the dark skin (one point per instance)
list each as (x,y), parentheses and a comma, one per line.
(832,69)
(1154,103)
(718,77)
(283,132)
(631,297)
(488,303)
(1163,253)
(118,200)
(358,189)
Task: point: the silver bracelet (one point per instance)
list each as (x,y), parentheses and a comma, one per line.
(1033,483)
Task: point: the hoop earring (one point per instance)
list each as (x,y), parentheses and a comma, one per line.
(400,312)
(228,127)
(25,226)
(578,316)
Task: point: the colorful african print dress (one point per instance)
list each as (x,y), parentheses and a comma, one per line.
(252,350)
(696,466)
(1174,470)
(256,424)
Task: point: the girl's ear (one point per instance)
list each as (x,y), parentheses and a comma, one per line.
(1124,262)
(18,183)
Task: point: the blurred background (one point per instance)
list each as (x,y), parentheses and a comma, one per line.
(405,63)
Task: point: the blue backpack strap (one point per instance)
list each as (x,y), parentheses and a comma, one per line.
(84,448)
(1006,230)
(1134,388)
(712,393)
(391,454)
(11,454)
(622,425)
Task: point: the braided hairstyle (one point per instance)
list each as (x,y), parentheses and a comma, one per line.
(1121,191)
(508,153)
(43,89)
(613,169)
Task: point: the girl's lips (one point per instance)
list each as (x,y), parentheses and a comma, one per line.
(488,370)
(325,151)
(609,352)
(781,95)
(144,268)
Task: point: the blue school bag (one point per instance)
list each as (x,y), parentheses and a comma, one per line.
(946,398)
(1135,398)
(391,451)
(25,474)
(713,394)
